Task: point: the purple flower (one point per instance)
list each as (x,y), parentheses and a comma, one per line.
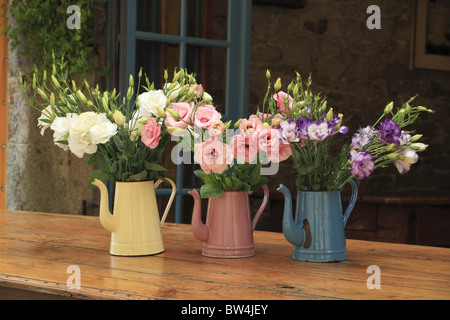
(390,132)
(302,127)
(319,130)
(363,164)
(334,122)
(288,131)
(362,138)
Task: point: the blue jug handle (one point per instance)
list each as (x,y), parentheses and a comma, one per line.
(352,201)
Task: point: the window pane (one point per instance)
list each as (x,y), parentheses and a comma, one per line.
(159,16)
(154,58)
(209,63)
(207,19)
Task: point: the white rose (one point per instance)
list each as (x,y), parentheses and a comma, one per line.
(149,101)
(60,127)
(83,123)
(79,145)
(102,131)
(47,114)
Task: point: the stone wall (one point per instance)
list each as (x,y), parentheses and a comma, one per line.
(360,71)
(41,176)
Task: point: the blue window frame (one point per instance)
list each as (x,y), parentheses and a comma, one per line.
(236,45)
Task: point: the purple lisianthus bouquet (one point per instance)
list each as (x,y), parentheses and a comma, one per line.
(311,129)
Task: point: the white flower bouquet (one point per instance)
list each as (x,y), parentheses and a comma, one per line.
(125,136)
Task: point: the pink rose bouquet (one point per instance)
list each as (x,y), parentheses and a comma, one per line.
(229,159)
(307,127)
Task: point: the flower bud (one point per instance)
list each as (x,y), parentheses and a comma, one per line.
(390,147)
(236,125)
(81,96)
(389,107)
(55,82)
(53,69)
(119,118)
(41,93)
(276,122)
(330,114)
(177,75)
(130,93)
(166,75)
(267,74)
(34,81)
(415,137)
(161,112)
(408,108)
(52,99)
(227,125)
(173,113)
(394,156)
(419,146)
(74,86)
(206,97)
(265,125)
(44,76)
(173,85)
(140,73)
(295,90)
(62,98)
(105,103)
(131,81)
(277,85)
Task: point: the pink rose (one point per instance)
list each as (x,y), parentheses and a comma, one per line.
(282,98)
(251,126)
(151,133)
(284,152)
(216,128)
(205,115)
(184,110)
(213,155)
(245,148)
(268,140)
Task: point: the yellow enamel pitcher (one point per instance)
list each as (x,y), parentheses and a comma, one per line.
(135,225)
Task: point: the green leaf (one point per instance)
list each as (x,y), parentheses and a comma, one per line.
(255,174)
(209,191)
(228,184)
(93,160)
(238,185)
(153,166)
(138,176)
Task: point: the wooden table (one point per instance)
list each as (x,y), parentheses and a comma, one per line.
(36,250)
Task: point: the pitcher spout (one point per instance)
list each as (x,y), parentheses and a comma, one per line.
(292,231)
(106,218)
(199,229)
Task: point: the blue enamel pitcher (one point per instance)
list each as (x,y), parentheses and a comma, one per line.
(317,232)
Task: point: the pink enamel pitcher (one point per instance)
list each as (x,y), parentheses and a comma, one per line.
(228,231)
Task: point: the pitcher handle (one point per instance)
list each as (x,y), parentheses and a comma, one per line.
(352,202)
(172,196)
(262,207)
